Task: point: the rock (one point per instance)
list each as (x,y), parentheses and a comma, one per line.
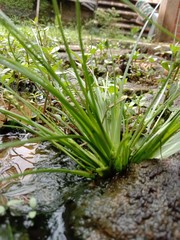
(144,203)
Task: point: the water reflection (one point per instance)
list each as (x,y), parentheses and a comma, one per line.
(41,228)
(17,160)
(13,161)
(15,228)
(56,225)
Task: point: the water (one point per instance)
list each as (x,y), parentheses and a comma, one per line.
(51,191)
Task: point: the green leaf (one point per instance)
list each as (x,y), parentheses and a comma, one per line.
(32,214)
(33,202)
(2,210)
(175,49)
(165,65)
(169,148)
(14,202)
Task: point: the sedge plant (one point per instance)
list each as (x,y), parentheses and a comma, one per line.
(102,137)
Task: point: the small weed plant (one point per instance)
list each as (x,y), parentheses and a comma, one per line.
(92,122)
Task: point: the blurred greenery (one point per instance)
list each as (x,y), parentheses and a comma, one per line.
(25,9)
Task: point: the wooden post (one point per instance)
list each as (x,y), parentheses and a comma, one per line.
(169,18)
(37,10)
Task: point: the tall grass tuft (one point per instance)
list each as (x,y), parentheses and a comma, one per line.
(102,138)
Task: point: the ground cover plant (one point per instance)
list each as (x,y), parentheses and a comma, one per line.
(90,121)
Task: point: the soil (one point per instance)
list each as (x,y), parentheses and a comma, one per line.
(144,203)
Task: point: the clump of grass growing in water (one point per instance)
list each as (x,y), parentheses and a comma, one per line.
(103,137)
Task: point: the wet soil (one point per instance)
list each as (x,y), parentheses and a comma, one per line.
(144,203)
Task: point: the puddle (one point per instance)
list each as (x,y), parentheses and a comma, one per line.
(51,191)
(56,225)
(49,227)
(17,160)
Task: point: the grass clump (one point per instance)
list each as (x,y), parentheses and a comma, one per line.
(92,123)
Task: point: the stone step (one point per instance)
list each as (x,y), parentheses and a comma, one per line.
(125,13)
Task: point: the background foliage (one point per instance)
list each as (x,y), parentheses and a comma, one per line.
(24,9)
